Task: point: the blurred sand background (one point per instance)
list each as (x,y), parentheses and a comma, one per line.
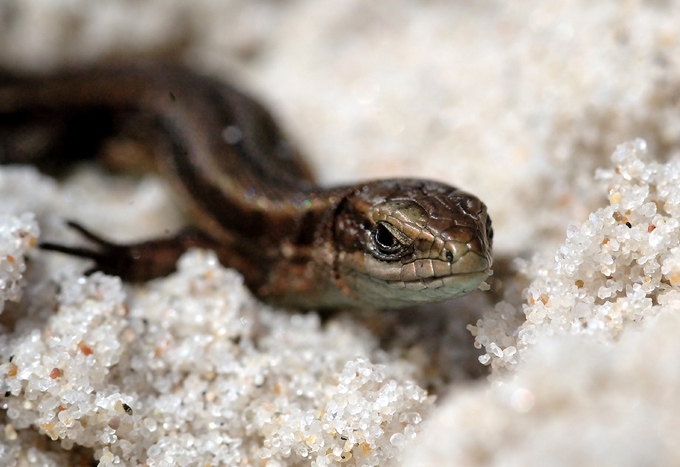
(518,102)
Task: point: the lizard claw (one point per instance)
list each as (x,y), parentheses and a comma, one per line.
(108,257)
(134,262)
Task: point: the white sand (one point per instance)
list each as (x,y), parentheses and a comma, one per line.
(518,102)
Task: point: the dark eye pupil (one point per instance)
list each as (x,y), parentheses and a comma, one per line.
(386,243)
(384,237)
(489,229)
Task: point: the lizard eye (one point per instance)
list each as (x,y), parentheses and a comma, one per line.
(385,241)
(489,230)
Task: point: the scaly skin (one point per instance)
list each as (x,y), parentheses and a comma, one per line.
(384,244)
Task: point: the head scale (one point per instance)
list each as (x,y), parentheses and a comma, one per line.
(405,242)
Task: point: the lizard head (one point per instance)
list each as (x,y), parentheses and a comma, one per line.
(403,242)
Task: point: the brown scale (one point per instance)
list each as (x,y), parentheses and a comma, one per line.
(252,198)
